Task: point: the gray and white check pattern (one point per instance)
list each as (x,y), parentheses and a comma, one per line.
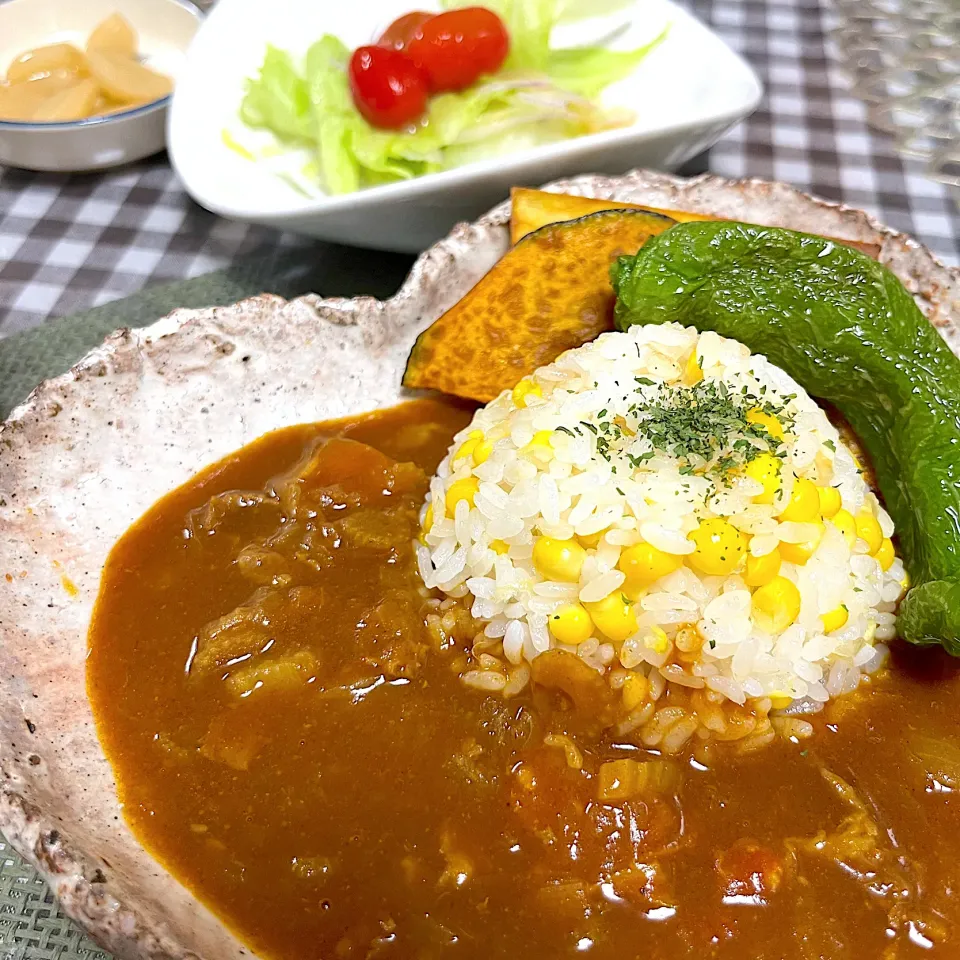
(71,242)
(68,243)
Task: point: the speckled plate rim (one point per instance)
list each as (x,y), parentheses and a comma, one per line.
(88,451)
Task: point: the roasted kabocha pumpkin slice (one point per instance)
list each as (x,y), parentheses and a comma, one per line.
(532,209)
(547,294)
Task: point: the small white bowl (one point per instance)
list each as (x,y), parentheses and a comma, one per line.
(165,29)
(685,94)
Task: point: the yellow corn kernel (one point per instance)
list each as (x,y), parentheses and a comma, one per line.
(558,559)
(499,546)
(525,388)
(427,524)
(465,489)
(614,617)
(835,618)
(761,570)
(571,624)
(800,553)
(644,563)
(591,539)
(779,700)
(776,605)
(692,371)
(844,522)
(885,554)
(464,450)
(905,582)
(868,529)
(634,690)
(766,420)
(540,445)
(830,501)
(633,590)
(656,640)
(804,505)
(719,547)
(482,451)
(765,469)
(468,446)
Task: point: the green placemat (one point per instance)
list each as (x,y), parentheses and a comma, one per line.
(31,926)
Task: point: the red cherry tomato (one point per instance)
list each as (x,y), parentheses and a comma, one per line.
(456,47)
(403,29)
(388,88)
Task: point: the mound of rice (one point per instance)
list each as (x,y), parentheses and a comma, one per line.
(679,514)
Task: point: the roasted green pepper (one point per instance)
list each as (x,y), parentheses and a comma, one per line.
(847,330)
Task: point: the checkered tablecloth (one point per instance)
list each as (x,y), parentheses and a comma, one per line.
(72,242)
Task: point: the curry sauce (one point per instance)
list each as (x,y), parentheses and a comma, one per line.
(281,702)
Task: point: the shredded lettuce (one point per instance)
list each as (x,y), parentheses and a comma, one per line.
(333,113)
(588,70)
(529,25)
(278,99)
(541,95)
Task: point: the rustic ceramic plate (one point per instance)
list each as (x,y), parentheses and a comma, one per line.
(90,451)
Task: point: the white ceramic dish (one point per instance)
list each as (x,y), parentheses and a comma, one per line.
(165,29)
(686,94)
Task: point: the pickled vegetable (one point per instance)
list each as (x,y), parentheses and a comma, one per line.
(60,83)
(125,79)
(114,35)
(72,103)
(20,101)
(46,60)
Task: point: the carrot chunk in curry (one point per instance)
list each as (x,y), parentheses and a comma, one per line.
(281,700)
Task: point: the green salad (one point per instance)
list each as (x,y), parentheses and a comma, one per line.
(542,94)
